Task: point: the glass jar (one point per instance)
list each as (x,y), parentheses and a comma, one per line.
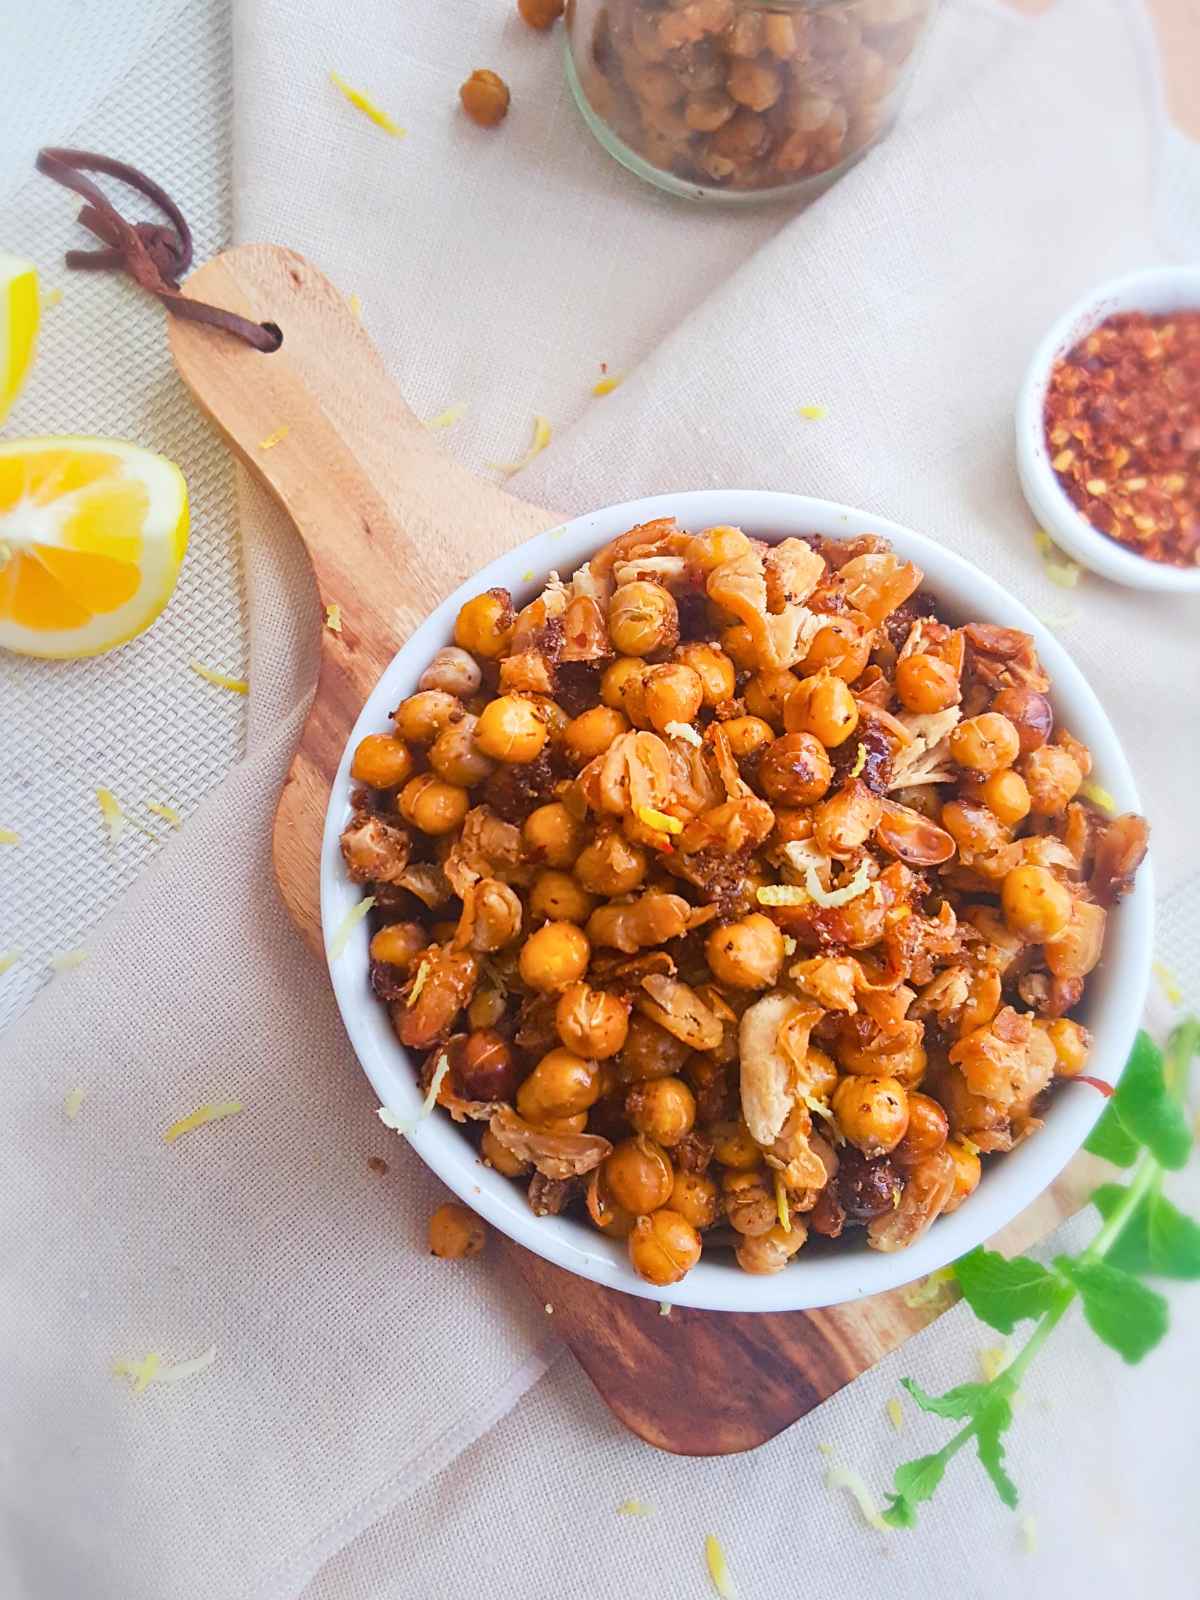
(741,100)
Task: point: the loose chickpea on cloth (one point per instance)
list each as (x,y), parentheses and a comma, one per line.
(801,982)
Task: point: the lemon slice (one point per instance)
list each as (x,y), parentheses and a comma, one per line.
(92,535)
(19,310)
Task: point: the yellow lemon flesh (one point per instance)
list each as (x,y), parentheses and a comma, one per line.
(19,311)
(92,535)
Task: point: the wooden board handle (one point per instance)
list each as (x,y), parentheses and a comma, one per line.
(390,522)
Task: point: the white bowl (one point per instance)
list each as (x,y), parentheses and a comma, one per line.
(1115,995)
(1157,290)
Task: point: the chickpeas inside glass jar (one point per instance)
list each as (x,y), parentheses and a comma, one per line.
(737,99)
(727,882)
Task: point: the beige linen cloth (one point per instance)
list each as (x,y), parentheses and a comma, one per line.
(351,1369)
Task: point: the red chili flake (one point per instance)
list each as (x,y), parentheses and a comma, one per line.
(1122,421)
(1106,1089)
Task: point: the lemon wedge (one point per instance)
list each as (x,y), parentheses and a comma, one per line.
(19,312)
(92,536)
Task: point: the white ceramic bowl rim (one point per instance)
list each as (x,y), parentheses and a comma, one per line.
(1155,290)
(1114,1003)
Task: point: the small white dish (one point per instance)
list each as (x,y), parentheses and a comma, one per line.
(1112,1008)
(1156,290)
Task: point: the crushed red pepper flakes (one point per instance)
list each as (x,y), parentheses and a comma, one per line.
(1122,422)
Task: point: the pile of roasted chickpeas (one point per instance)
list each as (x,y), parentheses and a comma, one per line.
(730,897)
(743,95)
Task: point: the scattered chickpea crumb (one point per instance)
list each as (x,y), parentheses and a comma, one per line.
(215,1111)
(341,934)
(811,413)
(1168,983)
(455,1233)
(541,438)
(485,97)
(789,945)
(895,1413)
(448,417)
(664,1308)
(219,680)
(549,1309)
(52,297)
(333,618)
(272,439)
(377,1165)
(367,106)
(607,385)
(7,836)
(72,1101)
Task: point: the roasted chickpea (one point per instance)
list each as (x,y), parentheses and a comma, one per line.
(554,956)
(734,1146)
(455,1233)
(770,1252)
(1052,777)
(986,743)
(510,729)
(767,693)
(399,944)
(591,732)
(558,897)
(500,1157)
(541,13)
(650,1051)
(968,1169)
(453,755)
(638,1175)
(795,770)
(746,954)
(1030,714)
(926,683)
(1071,1041)
(642,618)
(485,99)
(622,688)
(750,1204)
(663,1248)
(905,1059)
(1036,905)
(423,716)
(713,667)
(453,670)
(611,864)
(973,828)
(713,547)
(381,761)
(493,918)
(847,819)
(823,706)
(842,647)
(483,1066)
(695,1196)
(484,626)
(872,1113)
(1006,795)
(561,1085)
(928,1129)
(433,805)
(672,693)
(592,1022)
(486,1008)
(553,715)
(821,1072)
(747,734)
(552,835)
(664,1109)
(738,644)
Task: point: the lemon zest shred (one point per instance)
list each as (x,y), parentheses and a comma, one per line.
(1168,983)
(782,1209)
(1059,569)
(895,1413)
(931,1290)
(355,304)
(9,959)
(140,1372)
(448,417)
(167,813)
(811,413)
(684,731)
(528,575)
(399,1124)
(215,1111)
(1099,797)
(113,817)
(781,894)
(419,982)
(8,836)
(842,1477)
(367,106)
(993,1361)
(219,680)
(860,760)
(859,884)
(541,438)
(333,618)
(1028,1527)
(272,439)
(340,937)
(718,1568)
(68,960)
(187,1369)
(658,820)
(72,1101)
(608,384)
(52,297)
(634,1508)
(664,1308)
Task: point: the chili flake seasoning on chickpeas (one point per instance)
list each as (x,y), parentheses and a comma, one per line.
(750,889)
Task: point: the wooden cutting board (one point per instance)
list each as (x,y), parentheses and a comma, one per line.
(392,525)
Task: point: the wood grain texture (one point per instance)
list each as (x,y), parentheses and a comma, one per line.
(392,525)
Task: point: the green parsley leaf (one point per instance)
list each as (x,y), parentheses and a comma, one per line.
(1111,1140)
(1003,1292)
(1148,1110)
(1130,1318)
(915,1481)
(992,1422)
(1158,1238)
(898,1513)
(964,1401)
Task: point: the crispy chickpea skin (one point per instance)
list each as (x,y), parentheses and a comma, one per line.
(664,1109)
(501,1157)
(872,1113)
(456,757)
(746,954)
(968,1170)
(1036,906)
(455,1233)
(642,619)
(381,761)
(663,1247)
(454,671)
(485,99)
(554,956)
